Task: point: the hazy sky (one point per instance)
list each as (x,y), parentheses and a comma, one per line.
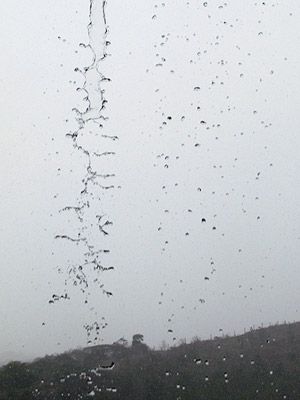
(204,99)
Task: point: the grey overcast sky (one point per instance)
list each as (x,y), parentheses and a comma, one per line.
(204,99)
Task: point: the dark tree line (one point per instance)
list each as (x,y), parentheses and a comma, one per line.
(261,364)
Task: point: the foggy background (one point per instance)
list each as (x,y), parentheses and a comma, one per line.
(204,99)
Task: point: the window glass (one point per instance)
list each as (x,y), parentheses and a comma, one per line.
(150,159)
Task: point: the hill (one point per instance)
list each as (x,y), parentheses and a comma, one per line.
(260,364)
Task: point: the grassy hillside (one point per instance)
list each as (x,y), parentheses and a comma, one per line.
(261,364)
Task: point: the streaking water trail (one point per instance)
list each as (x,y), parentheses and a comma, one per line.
(92,141)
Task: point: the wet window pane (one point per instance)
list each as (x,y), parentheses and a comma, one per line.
(150,236)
